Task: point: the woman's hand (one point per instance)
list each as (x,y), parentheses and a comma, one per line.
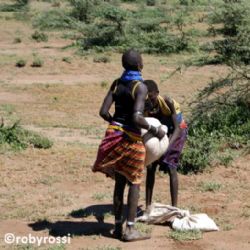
(161,133)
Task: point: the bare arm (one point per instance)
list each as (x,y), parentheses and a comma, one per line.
(108,100)
(177,129)
(139,120)
(140,97)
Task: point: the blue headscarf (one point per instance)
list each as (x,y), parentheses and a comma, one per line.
(131,75)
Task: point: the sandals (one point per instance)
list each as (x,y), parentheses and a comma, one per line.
(130,235)
(133,235)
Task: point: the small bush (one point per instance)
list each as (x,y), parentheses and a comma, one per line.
(104,84)
(39,36)
(53,19)
(23,16)
(67,59)
(16,138)
(17,40)
(9,109)
(147,24)
(225,159)
(209,186)
(235,19)
(20,63)
(220,122)
(149,30)
(39,141)
(107,29)
(37,62)
(100,196)
(151,2)
(83,10)
(56,3)
(22,2)
(234,49)
(185,235)
(197,153)
(19,5)
(101,59)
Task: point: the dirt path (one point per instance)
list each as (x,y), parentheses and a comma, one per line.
(229,207)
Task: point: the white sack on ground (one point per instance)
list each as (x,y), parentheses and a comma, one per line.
(155,148)
(195,222)
(180,219)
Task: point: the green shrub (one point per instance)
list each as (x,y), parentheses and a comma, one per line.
(234,49)
(142,30)
(82,10)
(38,141)
(147,24)
(235,19)
(209,186)
(37,62)
(20,63)
(22,2)
(197,153)
(185,235)
(218,122)
(107,30)
(23,16)
(56,3)
(53,19)
(17,40)
(104,84)
(67,59)
(39,36)
(8,109)
(129,1)
(151,2)
(101,59)
(19,5)
(234,15)
(16,138)
(184,2)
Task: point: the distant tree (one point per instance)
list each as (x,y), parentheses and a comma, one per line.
(82,10)
(235,45)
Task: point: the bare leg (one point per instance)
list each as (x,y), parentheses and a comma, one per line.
(173,185)
(133,197)
(131,234)
(150,181)
(120,183)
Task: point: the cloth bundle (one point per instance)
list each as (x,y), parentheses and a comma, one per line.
(155,148)
(180,219)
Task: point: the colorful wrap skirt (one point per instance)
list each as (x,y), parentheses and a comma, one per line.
(121,151)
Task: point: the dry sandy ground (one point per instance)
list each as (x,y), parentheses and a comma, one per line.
(45,192)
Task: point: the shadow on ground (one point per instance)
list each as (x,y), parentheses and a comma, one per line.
(78,228)
(74,228)
(100,211)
